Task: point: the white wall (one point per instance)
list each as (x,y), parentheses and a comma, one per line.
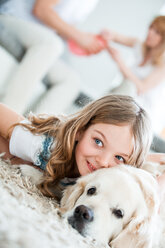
(131,17)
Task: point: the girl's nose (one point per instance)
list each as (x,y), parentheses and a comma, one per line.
(105,160)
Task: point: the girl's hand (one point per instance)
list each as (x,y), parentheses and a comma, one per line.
(160,159)
(161,183)
(157,158)
(107,35)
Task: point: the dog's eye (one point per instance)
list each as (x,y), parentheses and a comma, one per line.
(119,213)
(91,191)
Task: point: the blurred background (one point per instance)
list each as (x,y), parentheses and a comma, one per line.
(130,17)
(98,73)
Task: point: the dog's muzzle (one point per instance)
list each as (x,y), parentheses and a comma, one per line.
(81,217)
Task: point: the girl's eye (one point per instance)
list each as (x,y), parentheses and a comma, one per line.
(120,158)
(156,31)
(98,142)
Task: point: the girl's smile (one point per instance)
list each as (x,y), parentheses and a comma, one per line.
(91,167)
(103,145)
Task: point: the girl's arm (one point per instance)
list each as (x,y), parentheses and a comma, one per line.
(110,35)
(161,182)
(156,157)
(44,11)
(142,85)
(159,158)
(8,118)
(4,149)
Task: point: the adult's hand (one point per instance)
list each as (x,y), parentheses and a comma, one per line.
(92,43)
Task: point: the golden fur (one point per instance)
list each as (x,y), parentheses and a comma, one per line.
(131,190)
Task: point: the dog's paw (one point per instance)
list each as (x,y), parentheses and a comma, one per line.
(35,175)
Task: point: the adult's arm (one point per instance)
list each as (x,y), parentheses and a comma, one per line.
(44,11)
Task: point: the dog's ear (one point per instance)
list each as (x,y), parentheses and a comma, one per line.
(149,187)
(139,232)
(70,196)
(135,234)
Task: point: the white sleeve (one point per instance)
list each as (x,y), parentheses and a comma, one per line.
(24,144)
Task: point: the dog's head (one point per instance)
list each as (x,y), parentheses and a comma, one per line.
(116,206)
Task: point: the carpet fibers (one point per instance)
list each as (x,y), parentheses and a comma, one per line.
(28,219)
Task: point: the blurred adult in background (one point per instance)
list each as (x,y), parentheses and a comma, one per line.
(145,78)
(40,27)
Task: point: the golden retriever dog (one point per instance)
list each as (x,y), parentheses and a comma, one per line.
(118,206)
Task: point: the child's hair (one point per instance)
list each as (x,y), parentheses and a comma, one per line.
(158,56)
(110,109)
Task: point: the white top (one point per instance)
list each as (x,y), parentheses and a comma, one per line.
(71,11)
(154,99)
(33,148)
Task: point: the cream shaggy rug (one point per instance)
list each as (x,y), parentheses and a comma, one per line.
(30,220)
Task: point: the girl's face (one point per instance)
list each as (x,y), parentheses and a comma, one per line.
(103,145)
(154,38)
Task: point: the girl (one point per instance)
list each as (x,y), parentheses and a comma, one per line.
(111,130)
(145,78)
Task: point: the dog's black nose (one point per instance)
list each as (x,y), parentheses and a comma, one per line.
(83,213)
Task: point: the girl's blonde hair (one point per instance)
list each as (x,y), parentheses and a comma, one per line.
(110,109)
(158,54)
